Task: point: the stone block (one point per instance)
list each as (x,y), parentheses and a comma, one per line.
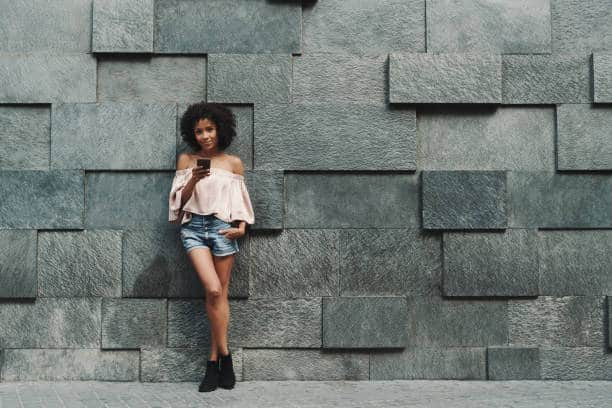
(602,77)
(132,323)
(499,27)
(464,199)
(546,79)
(110,135)
(47,78)
(576,364)
(266,190)
(445,78)
(345,200)
(360,322)
(297,137)
(25,131)
(254,27)
(513,363)
(34,199)
(79,263)
(249,78)
(584,138)
(18,268)
(303,365)
(122,26)
(389,262)
(491,263)
(581,26)
(295,263)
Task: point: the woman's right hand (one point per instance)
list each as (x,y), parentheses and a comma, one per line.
(198,173)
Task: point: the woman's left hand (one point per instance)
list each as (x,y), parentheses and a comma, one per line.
(232,233)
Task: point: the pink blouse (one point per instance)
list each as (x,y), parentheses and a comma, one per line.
(222,193)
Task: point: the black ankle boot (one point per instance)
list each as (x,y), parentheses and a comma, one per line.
(227,379)
(211,378)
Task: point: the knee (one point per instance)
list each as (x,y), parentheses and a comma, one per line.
(213,294)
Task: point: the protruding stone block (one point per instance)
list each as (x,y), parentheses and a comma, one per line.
(266,190)
(132,323)
(576,363)
(513,363)
(602,77)
(581,26)
(122,26)
(18,268)
(25,133)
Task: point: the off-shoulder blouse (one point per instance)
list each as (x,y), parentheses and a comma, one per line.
(222,193)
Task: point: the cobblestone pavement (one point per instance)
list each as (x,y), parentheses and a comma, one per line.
(311,394)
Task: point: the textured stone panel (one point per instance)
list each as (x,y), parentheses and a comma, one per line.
(304,365)
(358,322)
(180,364)
(464,199)
(25,133)
(569,321)
(546,79)
(155,265)
(494,138)
(70,365)
(444,78)
(581,26)
(584,137)
(455,363)
(253,323)
(389,262)
(575,262)
(609,302)
(122,26)
(79,264)
(47,78)
(491,263)
(602,77)
(495,27)
(513,363)
(249,78)
(326,136)
(266,190)
(438,322)
(110,135)
(364,26)
(254,26)
(148,79)
(549,200)
(295,263)
(576,363)
(51,323)
(132,323)
(18,269)
(340,200)
(60,26)
(41,199)
(339,78)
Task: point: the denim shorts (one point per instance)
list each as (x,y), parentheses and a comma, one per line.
(202,232)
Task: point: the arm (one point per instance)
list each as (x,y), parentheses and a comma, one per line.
(183,163)
(239,169)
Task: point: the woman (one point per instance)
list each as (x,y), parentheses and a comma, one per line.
(213,207)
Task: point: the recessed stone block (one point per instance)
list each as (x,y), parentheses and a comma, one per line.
(266,190)
(132,323)
(25,133)
(602,77)
(513,363)
(122,26)
(18,269)
(576,363)
(581,26)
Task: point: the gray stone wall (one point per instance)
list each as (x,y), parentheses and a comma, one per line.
(432,183)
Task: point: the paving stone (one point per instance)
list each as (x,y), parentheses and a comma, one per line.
(358,322)
(583,137)
(444,78)
(47,78)
(256,27)
(249,78)
(579,26)
(304,365)
(133,78)
(454,363)
(103,136)
(568,321)
(266,191)
(390,262)
(122,26)
(513,363)
(132,323)
(363,26)
(500,27)
(464,199)
(70,365)
(34,199)
(546,79)
(602,77)
(51,323)
(18,268)
(461,137)
(576,363)
(297,137)
(25,132)
(329,200)
(79,264)
(491,263)
(575,262)
(295,263)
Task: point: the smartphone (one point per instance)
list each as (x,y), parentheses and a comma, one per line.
(204,163)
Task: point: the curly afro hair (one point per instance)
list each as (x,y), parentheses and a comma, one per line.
(215,112)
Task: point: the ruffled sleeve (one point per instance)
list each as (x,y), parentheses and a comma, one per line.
(174,206)
(240,206)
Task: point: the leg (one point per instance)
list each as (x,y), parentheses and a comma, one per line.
(223,266)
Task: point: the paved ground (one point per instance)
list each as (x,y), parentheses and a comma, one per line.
(311,394)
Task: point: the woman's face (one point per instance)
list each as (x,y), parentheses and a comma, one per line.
(206,135)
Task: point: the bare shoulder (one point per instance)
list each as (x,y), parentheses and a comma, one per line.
(183,161)
(237,165)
